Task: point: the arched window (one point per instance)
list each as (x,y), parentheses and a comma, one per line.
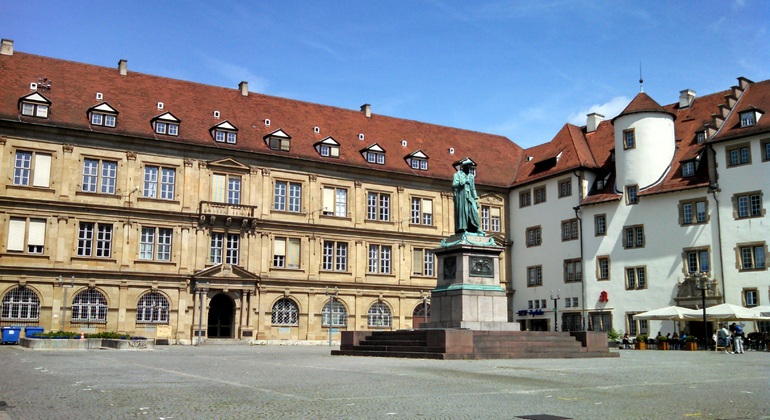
(337,313)
(89,306)
(20,304)
(379,315)
(420,311)
(152,309)
(285,312)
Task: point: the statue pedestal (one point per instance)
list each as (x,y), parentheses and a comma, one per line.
(468,294)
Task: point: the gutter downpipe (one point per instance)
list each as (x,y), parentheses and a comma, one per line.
(583,315)
(714,188)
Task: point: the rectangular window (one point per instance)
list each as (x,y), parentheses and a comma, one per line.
(750,297)
(153,183)
(379,259)
(636,326)
(226,188)
(697,260)
(569,230)
(32,167)
(233,190)
(335,201)
(94,240)
(540,195)
(692,212)
(565,188)
(748,119)
(629,139)
(573,270)
(286,253)
(107,120)
(422,262)
(99,176)
(752,256)
(224,248)
(748,205)
(766,150)
(634,237)
(490,218)
(288,196)
(525,198)
(335,256)
(600,225)
(26,235)
(534,276)
(422,211)
(631,194)
(738,155)
(688,169)
(534,236)
(636,278)
(603,268)
(34,110)
(278,143)
(378,206)
(155,244)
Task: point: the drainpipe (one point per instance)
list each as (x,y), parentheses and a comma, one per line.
(713,188)
(583,315)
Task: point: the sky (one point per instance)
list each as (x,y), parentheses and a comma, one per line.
(521,69)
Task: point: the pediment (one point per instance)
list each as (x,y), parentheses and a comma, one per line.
(229,164)
(104,107)
(417,154)
(226,276)
(373,148)
(225,125)
(35,97)
(329,141)
(167,117)
(279,133)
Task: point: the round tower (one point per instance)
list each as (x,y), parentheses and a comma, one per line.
(644,143)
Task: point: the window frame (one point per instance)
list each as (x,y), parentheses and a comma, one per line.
(600,270)
(379,315)
(37,109)
(525,198)
(637,232)
(692,204)
(688,169)
(573,267)
(379,209)
(427,260)
(92,242)
(570,230)
(754,205)
(419,216)
(158,247)
(599,220)
(565,188)
(750,291)
(632,195)
(284,312)
(103,173)
(765,145)
(540,194)
(21,301)
(89,306)
(336,313)
(490,222)
(339,207)
(748,118)
(379,259)
(160,185)
(285,262)
(224,248)
(536,236)
(334,256)
(741,158)
(34,230)
(153,308)
(289,198)
(695,254)
(31,176)
(639,272)
(534,276)
(103,118)
(629,134)
(752,265)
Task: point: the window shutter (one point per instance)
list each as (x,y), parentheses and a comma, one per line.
(427,206)
(328,199)
(417,261)
(16,234)
(36,232)
(218,188)
(42,170)
(292,256)
(495,211)
(335,152)
(280,247)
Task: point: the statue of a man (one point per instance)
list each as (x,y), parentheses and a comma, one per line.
(466,200)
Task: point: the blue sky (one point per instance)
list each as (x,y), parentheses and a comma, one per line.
(514,68)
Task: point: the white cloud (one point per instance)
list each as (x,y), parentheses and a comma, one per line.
(236,73)
(609,109)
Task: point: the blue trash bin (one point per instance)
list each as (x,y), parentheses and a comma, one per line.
(30,331)
(11,335)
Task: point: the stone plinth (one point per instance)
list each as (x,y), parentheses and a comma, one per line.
(468,293)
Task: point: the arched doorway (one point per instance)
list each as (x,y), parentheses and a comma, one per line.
(420,315)
(221,310)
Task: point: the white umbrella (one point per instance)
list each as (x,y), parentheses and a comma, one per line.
(763,310)
(667,313)
(727,312)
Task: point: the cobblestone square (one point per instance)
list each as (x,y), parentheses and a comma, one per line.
(238,381)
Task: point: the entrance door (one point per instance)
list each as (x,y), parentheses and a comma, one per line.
(221,310)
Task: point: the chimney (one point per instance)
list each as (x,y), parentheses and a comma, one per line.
(123,66)
(367,110)
(7,47)
(244,88)
(592,122)
(686,97)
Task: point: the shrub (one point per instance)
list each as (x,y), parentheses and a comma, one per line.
(613,334)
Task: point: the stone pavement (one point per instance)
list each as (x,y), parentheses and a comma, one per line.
(241,382)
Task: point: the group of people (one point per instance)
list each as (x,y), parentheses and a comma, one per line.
(730,338)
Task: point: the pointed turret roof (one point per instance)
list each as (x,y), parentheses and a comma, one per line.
(643,103)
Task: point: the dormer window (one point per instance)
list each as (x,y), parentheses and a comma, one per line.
(278,140)
(103,114)
(224,132)
(34,105)
(167,124)
(328,147)
(749,118)
(700,137)
(688,168)
(417,160)
(374,154)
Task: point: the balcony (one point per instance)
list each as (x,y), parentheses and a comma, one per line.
(216,212)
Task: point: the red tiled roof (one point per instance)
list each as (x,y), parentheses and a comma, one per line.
(642,103)
(135,97)
(756,96)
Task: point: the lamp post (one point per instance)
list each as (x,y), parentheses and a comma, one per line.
(332,297)
(64,299)
(702,283)
(555,298)
(201,291)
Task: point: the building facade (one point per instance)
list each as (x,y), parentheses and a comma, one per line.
(167,208)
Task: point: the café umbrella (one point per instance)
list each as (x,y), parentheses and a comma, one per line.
(669,313)
(728,312)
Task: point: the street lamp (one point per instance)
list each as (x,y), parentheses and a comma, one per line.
(702,283)
(555,298)
(332,297)
(424,308)
(201,291)
(64,299)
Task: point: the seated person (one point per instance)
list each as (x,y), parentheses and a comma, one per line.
(723,338)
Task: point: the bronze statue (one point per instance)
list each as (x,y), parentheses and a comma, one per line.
(466,200)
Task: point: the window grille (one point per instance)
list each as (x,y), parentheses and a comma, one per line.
(285,312)
(21,304)
(152,308)
(337,313)
(379,315)
(89,306)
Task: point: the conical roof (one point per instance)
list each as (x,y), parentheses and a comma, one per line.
(643,103)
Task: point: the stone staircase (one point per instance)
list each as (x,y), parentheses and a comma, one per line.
(450,344)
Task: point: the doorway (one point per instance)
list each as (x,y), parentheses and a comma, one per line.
(221,310)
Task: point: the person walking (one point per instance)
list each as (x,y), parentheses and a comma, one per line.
(738,339)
